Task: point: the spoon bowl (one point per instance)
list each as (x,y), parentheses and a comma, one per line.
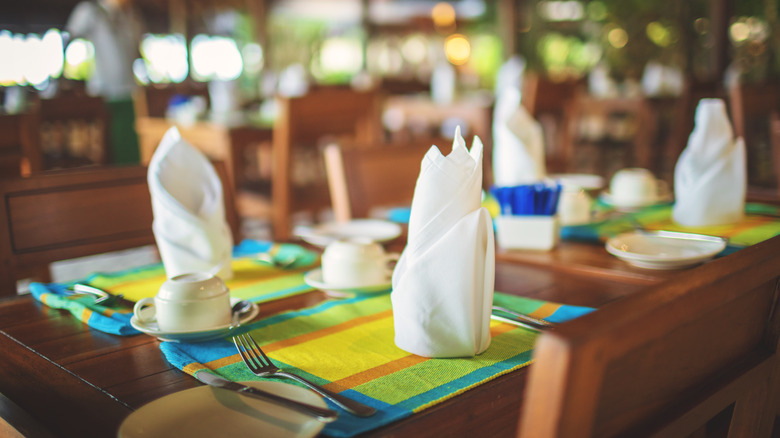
(238,309)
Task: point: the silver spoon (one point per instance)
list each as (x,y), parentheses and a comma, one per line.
(239,309)
(277,263)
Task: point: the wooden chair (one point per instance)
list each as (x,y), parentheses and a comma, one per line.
(612,133)
(20,154)
(751,107)
(550,103)
(684,117)
(364,178)
(74,131)
(72,213)
(298,181)
(666,361)
(153,100)
(775,135)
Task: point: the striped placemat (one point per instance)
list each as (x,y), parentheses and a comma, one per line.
(347,346)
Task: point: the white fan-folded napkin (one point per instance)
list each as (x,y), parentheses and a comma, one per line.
(189,213)
(710,178)
(443,283)
(518,142)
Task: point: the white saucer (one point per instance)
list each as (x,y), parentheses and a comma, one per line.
(314,279)
(606,198)
(152,329)
(664,249)
(206,411)
(374,229)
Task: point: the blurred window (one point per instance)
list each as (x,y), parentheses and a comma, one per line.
(34,59)
(215,57)
(165,58)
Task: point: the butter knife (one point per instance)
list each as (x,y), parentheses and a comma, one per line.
(512,317)
(322,414)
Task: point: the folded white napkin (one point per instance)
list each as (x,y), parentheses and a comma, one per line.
(510,74)
(518,142)
(189,212)
(710,178)
(443,83)
(443,283)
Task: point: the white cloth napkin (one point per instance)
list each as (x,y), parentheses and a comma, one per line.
(443,283)
(189,212)
(710,178)
(518,142)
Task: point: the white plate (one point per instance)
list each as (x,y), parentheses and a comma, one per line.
(584,181)
(314,279)
(664,249)
(606,198)
(152,329)
(375,229)
(206,411)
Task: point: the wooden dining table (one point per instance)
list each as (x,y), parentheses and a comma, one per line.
(77,381)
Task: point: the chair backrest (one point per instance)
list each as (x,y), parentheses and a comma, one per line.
(775,135)
(153,100)
(19,151)
(301,126)
(751,107)
(625,122)
(74,130)
(72,213)
(666,360)
(360,179)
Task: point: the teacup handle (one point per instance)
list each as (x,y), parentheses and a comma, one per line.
(390,258)
(140,305)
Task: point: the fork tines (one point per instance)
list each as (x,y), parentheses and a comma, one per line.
(251,353)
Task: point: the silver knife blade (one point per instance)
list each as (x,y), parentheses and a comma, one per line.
(322,414)
(513,317)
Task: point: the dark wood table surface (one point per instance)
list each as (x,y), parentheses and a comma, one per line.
(80,382)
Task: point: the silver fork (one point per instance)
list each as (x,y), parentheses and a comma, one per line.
(261,365)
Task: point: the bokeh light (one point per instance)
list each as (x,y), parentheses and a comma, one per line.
(79,59)
(340,56)
(215,57)
(443,16)
(617,37)
(739,31)
(457,49)
(659,34)
(166,58)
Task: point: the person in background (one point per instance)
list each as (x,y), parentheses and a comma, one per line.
(115,29)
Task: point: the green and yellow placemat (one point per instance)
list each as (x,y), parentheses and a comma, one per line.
(348,346)
(253,279)
(761,222)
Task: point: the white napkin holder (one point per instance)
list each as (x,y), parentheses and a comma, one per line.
(528,232)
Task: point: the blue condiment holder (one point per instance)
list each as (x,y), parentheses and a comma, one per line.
(528,218)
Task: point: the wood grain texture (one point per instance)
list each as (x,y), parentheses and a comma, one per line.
(664,361)
(60,215)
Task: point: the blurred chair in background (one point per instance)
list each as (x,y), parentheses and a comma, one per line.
(608,134)
(752,107)
(362,179)
(20,154)
(74,130)
(72,213)
(550,103)
(303,125)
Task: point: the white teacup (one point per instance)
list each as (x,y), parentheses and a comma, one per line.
(187,302)
(636,187)
(356,262)
(574,206)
